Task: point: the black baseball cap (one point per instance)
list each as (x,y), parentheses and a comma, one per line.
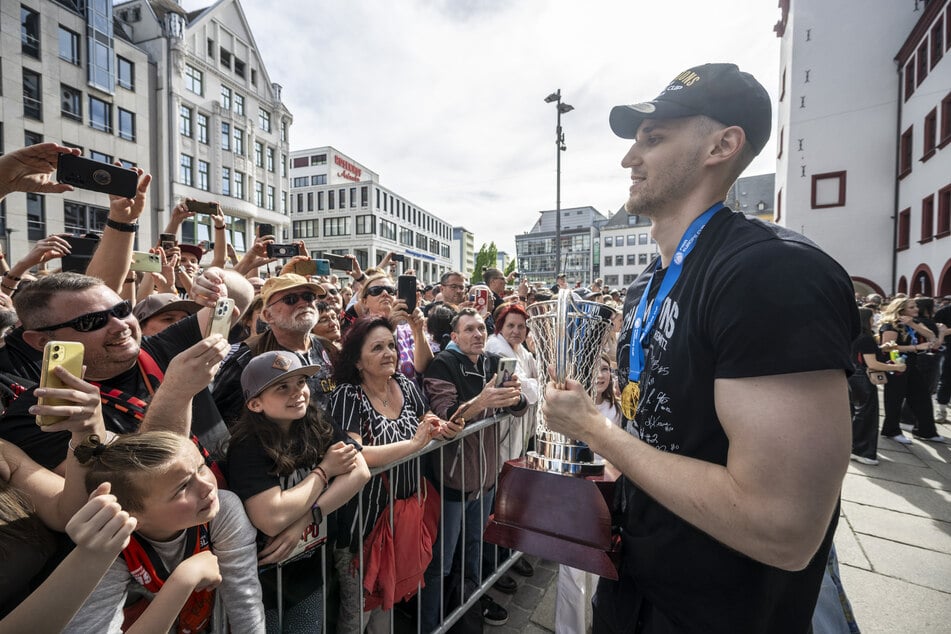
(719,91)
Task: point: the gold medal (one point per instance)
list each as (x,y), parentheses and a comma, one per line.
(629,399)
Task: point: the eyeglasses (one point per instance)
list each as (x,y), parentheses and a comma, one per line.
(375,291)
(292,298)
(93,321)
(458,287)
(333,291)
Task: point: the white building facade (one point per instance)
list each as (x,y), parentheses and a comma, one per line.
(337,205)
(842,113)
(626,248)
(580,246)
(462,250)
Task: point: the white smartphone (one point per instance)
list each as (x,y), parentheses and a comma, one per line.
(220,321)
(506,370)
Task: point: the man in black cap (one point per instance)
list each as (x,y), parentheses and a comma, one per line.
(737,430)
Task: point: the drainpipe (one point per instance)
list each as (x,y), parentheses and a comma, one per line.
(898,133)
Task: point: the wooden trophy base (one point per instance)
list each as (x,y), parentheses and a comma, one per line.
(557,517)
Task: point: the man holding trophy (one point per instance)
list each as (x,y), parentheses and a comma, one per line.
(735,348)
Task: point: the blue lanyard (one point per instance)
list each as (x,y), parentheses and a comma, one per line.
(912,335)
(641,326)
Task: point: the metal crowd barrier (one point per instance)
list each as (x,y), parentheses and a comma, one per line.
(445,448)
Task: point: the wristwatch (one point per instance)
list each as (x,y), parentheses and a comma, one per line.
(318,514)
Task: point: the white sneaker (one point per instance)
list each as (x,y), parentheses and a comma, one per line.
(937,439)
(906,426)
(901,439)
(864,460)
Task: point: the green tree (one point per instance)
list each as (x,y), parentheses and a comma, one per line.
(487,257)
(510,267)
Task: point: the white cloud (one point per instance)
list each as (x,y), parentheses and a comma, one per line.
(444,98)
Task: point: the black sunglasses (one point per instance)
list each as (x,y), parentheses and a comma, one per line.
(292,298)
(375,291)
(333,291)
(93,321)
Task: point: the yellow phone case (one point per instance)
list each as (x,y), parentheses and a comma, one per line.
(68,354)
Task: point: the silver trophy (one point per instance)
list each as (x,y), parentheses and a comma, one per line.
(569,334)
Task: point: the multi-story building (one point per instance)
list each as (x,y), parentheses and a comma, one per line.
(338,205)
(72,76)
(626,248)
(222,131)
(753,195)
(463,251)
(580,248)
(851,101)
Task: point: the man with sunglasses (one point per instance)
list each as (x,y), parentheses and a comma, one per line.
(129,369)
(290,311)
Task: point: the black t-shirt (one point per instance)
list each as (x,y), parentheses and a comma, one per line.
(49,449)
(249,474)
(752,300)
(865,344)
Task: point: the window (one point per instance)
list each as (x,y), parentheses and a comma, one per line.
(238,141)
(101,157)
(353,196)
(387,229)
(364,225)
(283,166)
(125,71)
(406,236)
(364,196)
(631,240)
(642,258)
(904,153)
(68,45)
(922,54)
(610,280)
(185,121)
(927,218)
(828,190)
(299,181)
(608,241)
(937,42)
(318,179)
(211,48)
(32,95)
(203,175)
(269,203)
(225,136)
(126,124)
(608,260)
(35,216)
(185,175)
(330,200)
(270,159)
(239,68)
(305,228)
(631,259)
(126,164)
(225,98)
(904,229)
(300,161)
(31,138)
(618,260)
(201,124)
(194,80)
(283,131)
(225,57)
(909,78)
(239,104)
(931,132)
(642,238)
(317,159)
(264,120)
(310,202)
(79,218)
(336,227)
(30,32)
(944,212)
(259,193)
(239,185)
(71,101)
(225,181)
(320,201)
(341,198)
(629,278)
(100,114)
(258,154)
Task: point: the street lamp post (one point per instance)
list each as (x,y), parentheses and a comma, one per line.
(560,147)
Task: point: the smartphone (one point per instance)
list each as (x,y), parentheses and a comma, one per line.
(81,250)
(338,262)
(506,370)
(68,354)
(323,266)
(220,321)
(167,241)
(397,257)
(265,229)
(84,173)
(146,262)
(198,207)
(282,250)
(306,267)
(406,290)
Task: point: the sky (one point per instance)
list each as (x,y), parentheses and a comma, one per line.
(444,99)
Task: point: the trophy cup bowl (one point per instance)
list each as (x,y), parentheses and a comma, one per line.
(554,502)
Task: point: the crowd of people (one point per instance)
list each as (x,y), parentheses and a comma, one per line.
(227,479)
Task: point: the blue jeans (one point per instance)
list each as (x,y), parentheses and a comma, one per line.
(475,514)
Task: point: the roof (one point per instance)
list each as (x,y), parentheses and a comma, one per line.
(622,219)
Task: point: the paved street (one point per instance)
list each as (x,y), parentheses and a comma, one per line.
(893,542)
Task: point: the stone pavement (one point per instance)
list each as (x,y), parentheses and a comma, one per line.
(893,543)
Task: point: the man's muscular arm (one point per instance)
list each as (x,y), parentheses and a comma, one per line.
(789,449)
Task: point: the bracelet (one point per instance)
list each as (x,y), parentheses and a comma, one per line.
(130,280)
(9,288)
(319,471)
(12,277)
(361,278)
(221,228)
(128,227)
(110,437)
